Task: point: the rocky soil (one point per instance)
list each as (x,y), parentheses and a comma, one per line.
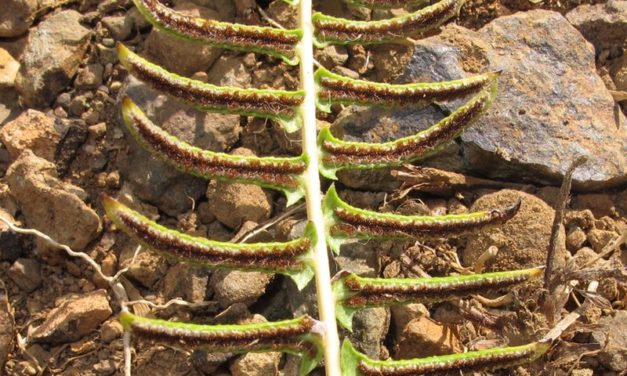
(564,72)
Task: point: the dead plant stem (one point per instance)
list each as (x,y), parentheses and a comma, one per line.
(557,221)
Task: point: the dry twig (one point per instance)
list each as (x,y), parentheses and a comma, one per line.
(435,181)
(557,221)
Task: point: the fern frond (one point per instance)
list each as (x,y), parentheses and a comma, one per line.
(353,292)
(299,336)
(333,30)
(265,40)
(291,258)
(346,222)
(386,4)
(336,89)
(355,363)
(336,154)
(284,174)
(279,105)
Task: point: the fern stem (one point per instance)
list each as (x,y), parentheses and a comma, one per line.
(326,300)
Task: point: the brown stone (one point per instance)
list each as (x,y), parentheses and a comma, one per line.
(522,241)
(49,204)
(423,337)
(15,17)
(51,58)
(74,318)
(238,287)
(32,130)
(604,25)
(26,273)
(8,69)
(234,203)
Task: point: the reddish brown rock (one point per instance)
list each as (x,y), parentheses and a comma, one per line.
(74,318)
(8,69)
(423,337)
(235,203)
(238,287)
(35,131)
(49,204)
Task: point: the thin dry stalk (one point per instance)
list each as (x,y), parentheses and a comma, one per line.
(557,221)
(436,181)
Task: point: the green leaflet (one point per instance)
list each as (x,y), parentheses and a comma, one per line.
(344,222)
(291,258)
(280,105)
(333,30)
(336,89)
(353,292)
(386,4)
(299,336)
(336,154)
(265,40)
(281,173)
(355,363)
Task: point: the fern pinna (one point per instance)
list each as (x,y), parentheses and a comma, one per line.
(332,221)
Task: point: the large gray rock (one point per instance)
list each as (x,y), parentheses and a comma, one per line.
(551,106)
(604,25)
(155,181)
(51,58)
(50,205)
